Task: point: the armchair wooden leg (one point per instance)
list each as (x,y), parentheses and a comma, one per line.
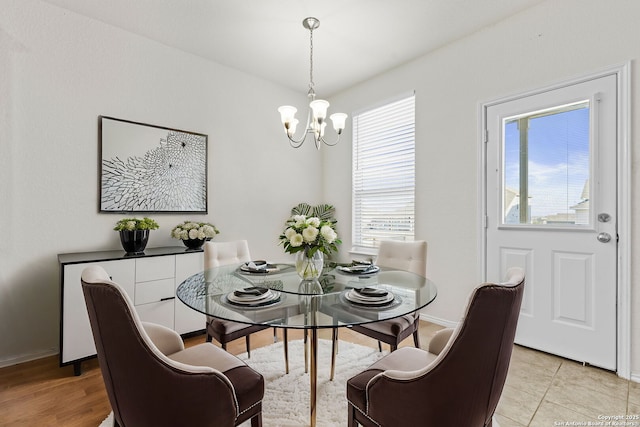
(416,338)
(379,346)
(285,343)
(209,338)
(351,422)
(248,347)
(306,353)
(256,421)
(334,352)
(275,335)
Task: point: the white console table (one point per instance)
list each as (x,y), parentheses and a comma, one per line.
(150,280)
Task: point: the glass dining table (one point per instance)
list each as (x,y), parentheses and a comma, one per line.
(340,297)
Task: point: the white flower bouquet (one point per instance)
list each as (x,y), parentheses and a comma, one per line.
(191,230)
(309,234)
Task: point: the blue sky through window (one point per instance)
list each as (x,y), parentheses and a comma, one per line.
(558,159)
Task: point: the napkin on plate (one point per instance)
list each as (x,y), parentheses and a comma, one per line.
(252,291)
(372,292)
(257,265)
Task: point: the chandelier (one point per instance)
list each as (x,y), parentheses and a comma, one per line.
(316,117)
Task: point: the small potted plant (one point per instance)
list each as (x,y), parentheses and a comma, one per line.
(134,233)
(194,234)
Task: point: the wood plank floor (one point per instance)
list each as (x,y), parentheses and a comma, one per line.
(40,393)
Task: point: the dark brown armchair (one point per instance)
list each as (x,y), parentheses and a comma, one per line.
(152,380)
(458,382)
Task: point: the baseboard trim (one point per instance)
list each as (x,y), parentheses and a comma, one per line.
(27,358)
(438,321)
(635,377)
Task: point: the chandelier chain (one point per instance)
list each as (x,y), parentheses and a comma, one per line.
(312,92)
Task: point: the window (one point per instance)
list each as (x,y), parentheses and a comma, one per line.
(384,173)
(546,166)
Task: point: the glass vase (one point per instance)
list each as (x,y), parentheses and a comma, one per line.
(309,267)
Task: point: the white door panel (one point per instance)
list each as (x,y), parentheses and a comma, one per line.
(550,171)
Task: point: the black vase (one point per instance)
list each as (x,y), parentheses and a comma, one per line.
(194,243)
(134,241)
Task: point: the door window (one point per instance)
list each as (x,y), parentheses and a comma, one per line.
(546,168)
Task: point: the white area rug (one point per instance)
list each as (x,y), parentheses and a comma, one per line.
(286,397)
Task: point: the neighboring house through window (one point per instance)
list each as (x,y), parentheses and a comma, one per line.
(384,173)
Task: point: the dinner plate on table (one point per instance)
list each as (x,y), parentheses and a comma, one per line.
(359,269)
(253,297)
(369,297)
(258,267)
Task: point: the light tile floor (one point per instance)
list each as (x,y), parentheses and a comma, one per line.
(546,390)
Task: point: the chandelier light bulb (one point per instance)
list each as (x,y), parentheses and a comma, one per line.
(322,126)
(287,113)
(291,130)
(339,121)
(319,107)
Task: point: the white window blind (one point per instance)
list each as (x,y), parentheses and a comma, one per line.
(384,173)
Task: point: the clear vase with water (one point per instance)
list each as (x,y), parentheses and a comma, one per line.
(309,267)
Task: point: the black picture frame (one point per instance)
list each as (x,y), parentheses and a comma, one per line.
(151,169)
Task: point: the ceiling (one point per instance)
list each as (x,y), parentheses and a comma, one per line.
(356,40)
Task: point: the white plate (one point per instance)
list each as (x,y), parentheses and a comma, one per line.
(359,270)
(248,268)
(273,298)
(356,298)
(253,299)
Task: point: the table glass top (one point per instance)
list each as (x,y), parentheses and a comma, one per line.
(335,299)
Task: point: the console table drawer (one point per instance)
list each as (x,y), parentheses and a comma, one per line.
(154,291)
(155,268)
(157,312)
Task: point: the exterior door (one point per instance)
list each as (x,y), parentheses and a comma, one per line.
(551,209)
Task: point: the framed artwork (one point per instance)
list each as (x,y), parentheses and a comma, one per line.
(146,168)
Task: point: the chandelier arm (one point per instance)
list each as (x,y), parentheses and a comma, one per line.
(330,144)
(303,137)
(294,143)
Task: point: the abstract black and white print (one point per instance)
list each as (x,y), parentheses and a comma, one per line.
(152,169)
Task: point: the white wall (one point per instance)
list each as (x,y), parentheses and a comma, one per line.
(550,43)
(58,72)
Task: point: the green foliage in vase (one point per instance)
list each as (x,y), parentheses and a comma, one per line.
(323,212)
(131,224)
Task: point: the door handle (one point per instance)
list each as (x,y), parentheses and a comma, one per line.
(604,217)
(604,237)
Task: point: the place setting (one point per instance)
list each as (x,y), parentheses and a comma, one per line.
(254,297)
(358,269)
(258,267)
(370,297)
